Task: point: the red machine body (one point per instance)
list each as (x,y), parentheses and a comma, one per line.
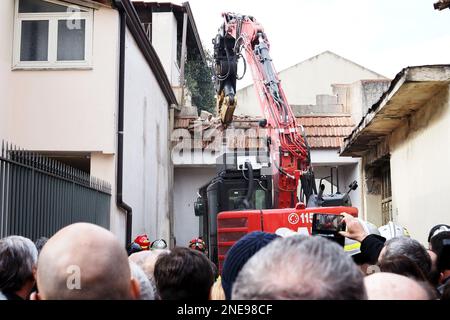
(289,152)
(233,225)
(288,148)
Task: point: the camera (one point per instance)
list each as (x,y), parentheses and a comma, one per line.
(328,226)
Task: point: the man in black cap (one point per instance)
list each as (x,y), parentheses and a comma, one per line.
(435,231)
(239,254)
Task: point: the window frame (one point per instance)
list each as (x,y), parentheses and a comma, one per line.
(53,18)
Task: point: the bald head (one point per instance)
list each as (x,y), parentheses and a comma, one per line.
(84,261)
(147,259)
(390,286)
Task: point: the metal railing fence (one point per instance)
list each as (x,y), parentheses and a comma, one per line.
(39,195)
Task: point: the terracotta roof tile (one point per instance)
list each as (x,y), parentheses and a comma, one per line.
(325,121)
(182,123)
(323,132)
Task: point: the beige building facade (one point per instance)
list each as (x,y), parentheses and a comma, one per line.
(403,143)
(67,107)
(307,80)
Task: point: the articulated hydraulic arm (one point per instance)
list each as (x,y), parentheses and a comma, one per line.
(290,156)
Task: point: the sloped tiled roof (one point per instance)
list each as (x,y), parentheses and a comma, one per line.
(323,132)
(410,91)
(326,132)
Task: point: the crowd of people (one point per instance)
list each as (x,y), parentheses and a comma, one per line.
(85,261)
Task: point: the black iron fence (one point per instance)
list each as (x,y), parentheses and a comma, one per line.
(39,195)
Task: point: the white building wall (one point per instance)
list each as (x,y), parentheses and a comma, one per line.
(361,95)
(419,168)
(65,110)
(330,157)
(6,89)
(71,110)
(103,166)
(164,40)
(146,149)
(302,82)
(187,182)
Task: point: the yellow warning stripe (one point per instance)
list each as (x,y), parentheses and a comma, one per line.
(353,246)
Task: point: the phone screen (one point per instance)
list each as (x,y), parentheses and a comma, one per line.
(328,222)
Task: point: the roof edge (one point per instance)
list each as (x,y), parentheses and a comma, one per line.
(191,19)
(322,53)
(152,58)
(408,74)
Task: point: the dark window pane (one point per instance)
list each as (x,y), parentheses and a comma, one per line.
(71,39)
(33,6)
(34,40)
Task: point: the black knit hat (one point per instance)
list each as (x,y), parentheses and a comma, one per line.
(239,254)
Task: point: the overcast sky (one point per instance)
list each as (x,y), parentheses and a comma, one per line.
(382,35)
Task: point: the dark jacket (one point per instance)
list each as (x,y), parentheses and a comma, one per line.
(445,283)
(371,247)
(9,296)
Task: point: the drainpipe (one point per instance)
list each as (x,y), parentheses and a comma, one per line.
(120,124)
(183,56)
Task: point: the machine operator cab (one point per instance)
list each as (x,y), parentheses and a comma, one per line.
(241,183)
(243,189)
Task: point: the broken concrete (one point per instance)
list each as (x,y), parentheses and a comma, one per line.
(188,112)
(205,115)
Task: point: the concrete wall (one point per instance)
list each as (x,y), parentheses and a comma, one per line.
(146,149)
(302,82)
(146,154)
(371,203)
(103,166)
(419,168)
(361,95)
(164,40)
(187,182)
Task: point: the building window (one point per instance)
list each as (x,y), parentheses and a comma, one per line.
(52,34)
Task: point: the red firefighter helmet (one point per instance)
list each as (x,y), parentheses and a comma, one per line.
(143,241)
(198,244)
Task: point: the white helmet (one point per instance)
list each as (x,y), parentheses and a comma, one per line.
(352,247)
(392,230)
(285,232)
(369,227)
